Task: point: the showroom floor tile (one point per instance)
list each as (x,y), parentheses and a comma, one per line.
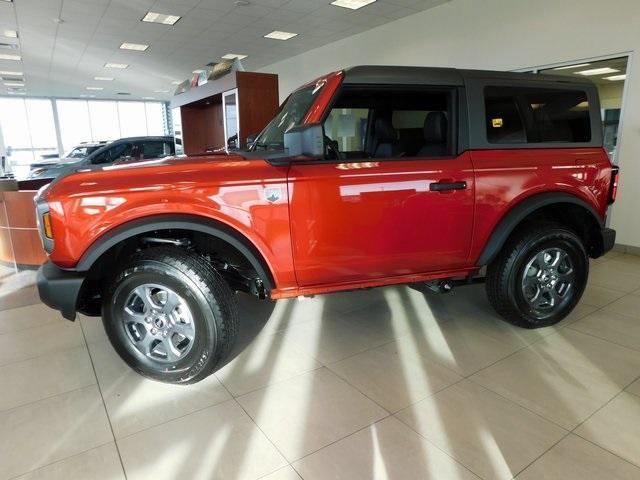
(379,384)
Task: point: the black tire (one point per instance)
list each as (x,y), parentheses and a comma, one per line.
(505,281)
(210,306)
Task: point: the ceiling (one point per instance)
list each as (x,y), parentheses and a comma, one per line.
(61,59)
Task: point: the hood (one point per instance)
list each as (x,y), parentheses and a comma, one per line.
(173,173)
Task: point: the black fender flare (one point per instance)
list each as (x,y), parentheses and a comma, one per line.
(177,222)
(519,212)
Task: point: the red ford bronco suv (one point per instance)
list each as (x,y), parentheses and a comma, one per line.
(368,176)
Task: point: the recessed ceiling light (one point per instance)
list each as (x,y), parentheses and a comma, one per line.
(161,91)
(84,95)
(104,79)
(233,56)
(598,71)
(138,47)
(352,4)
(153,17)
(17,93)
(278,35)
(95,88)
(177,82)
(148,98)
(573,66)
(10,33)
(10,74)
(14,84)
(121,66)
(615,78)
(8,56)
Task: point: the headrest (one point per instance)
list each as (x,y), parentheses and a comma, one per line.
(384,131)
(435,127)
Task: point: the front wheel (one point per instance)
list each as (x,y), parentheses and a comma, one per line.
(539,276)
(170,315)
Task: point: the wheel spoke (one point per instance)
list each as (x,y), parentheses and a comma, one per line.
(173,300)
(172,356)
(144,293)
(144,345)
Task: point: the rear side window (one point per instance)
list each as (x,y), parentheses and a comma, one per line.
(536,115)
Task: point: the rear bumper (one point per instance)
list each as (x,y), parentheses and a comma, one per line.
(608,239)
(59,289)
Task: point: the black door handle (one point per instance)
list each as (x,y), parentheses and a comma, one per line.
(445,186)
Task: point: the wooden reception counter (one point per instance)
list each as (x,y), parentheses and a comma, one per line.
(20,245)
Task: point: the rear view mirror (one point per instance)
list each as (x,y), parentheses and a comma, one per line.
(305,141)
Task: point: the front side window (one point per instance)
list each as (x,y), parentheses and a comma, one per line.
(113,154)
(390,122)
(517,115)
(291,115)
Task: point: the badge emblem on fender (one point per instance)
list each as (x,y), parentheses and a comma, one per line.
(272,194)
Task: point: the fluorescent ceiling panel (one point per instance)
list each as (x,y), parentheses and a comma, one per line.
(568,67)
(9,56)
(10,33)
(352,4)
(121,66)
(163,18)
(279,35)
(233,56)
(95,88)
(598,71)
(615,78)
(104,79)
(138,47)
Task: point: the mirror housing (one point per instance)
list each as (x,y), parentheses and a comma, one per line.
(305,141)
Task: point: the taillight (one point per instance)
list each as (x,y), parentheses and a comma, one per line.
(613,187)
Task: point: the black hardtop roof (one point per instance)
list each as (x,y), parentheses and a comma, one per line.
(401,75)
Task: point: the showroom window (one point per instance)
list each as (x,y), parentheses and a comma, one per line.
(535,115)
(383,122)
(95,121)
(28,131)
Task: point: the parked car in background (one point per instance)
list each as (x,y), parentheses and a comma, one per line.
(80,151)
(85,155)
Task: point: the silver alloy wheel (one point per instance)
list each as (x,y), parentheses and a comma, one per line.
(159,323)
(548,280)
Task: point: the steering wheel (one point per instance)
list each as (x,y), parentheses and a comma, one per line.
(332,152)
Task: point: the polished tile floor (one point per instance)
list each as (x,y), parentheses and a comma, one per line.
(379,384)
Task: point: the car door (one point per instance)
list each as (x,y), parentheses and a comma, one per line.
(379,211)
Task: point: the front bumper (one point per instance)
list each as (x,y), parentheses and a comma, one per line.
(608,239)
(59,289)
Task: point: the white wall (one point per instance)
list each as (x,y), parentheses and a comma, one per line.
(503,35)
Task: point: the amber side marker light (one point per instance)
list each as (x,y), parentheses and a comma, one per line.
(46,224)
(613,188)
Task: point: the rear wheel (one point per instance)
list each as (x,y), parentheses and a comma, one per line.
(170,315)
(539,276)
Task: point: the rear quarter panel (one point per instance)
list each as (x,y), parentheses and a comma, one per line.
(504,178)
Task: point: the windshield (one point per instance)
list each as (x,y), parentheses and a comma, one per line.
(80,152)
(292,113)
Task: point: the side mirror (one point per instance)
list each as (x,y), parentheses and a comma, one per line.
(305,141)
